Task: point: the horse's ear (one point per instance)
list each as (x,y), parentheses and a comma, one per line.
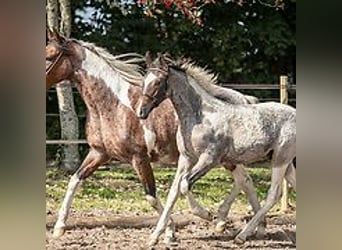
(50,34)
(148,58)
(53,34)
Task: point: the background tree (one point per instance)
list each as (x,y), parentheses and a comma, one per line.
(242,41)
(67,114)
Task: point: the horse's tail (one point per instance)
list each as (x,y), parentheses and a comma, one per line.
(251,99)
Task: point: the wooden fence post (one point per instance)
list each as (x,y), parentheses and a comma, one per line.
(284,100)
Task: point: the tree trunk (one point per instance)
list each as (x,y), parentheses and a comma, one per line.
(67,114)
(52,14)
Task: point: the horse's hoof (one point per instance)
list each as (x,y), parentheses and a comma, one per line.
(58,232)
(239,240)
(220,226)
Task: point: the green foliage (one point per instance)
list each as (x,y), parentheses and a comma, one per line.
(249,43)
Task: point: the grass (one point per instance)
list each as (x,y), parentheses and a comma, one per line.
(119,190)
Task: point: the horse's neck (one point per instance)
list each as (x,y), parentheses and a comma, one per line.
(188,97)
(100,82)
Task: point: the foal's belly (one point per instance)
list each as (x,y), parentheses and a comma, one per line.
(249,156)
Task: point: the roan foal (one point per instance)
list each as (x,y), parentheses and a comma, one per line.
(213,132)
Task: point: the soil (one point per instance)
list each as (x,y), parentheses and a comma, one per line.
(104,230)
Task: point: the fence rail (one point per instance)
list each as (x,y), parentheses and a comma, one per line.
(243,86)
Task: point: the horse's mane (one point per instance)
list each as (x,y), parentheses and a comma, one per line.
(125,64)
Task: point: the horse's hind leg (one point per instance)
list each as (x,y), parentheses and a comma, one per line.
(145,174)
(92,161)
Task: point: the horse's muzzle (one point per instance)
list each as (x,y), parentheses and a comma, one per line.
(143,113)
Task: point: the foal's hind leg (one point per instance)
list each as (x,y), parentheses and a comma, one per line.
(242,181)
(290,175)
(145,174)
(274,193)
(93,160)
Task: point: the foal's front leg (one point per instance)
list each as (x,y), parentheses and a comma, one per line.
(183,166)
(196,173)
(204,163)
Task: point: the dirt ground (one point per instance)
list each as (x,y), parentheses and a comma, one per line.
(102,230)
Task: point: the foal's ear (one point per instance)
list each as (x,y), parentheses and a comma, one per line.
(163,62)
(148,58)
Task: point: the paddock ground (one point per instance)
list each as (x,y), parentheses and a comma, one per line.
(110,212)
(106,231)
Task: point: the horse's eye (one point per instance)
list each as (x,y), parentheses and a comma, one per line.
(49,58)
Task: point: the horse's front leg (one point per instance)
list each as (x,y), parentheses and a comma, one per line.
(144,170)
(92,161)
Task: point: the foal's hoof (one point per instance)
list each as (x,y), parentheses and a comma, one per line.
(170,240)
(220,226)
(152,242)
(239,239)
(207,216)
(203,214)
(260,233)
(58,232)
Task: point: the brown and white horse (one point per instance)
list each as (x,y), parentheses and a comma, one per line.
(107,85)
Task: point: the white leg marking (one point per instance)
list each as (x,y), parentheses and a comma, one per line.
(64,210)
(171,228)
(150,138)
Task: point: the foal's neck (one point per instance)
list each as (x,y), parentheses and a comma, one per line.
(189,98)
(184,98)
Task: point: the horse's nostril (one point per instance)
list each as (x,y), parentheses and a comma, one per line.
(141,112)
